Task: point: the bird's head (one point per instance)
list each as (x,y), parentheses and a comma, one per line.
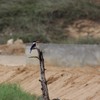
(35,41)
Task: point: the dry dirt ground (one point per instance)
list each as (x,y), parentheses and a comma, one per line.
(77,83)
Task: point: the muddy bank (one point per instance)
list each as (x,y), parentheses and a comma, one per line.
(58,55)
(13,60)
(68,55)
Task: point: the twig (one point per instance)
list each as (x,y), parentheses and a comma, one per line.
(34,57)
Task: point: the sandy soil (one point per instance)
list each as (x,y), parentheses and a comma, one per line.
(78,83)
(65,83)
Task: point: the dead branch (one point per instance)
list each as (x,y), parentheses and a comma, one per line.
(42,74)
(33,57)
(43,80)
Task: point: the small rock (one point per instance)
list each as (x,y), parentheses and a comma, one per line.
(19,41)
(10,41)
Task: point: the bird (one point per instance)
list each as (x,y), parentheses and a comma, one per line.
(33,46)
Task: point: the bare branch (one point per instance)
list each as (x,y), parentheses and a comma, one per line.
(43,80)
(34,57)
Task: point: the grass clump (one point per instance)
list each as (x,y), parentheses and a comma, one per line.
(13,92)
(88,40)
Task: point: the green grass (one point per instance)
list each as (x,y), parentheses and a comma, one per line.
(41,18)
(13,92)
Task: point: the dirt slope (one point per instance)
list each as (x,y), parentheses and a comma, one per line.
(79,83)
(84,28)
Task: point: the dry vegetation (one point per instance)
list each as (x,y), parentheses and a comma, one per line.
(12,49)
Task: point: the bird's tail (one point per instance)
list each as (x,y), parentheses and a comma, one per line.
(30,51)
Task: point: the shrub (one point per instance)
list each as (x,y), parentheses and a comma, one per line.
(13,92)
(88,40)
(43,16)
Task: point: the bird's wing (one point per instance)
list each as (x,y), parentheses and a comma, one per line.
(32,47)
